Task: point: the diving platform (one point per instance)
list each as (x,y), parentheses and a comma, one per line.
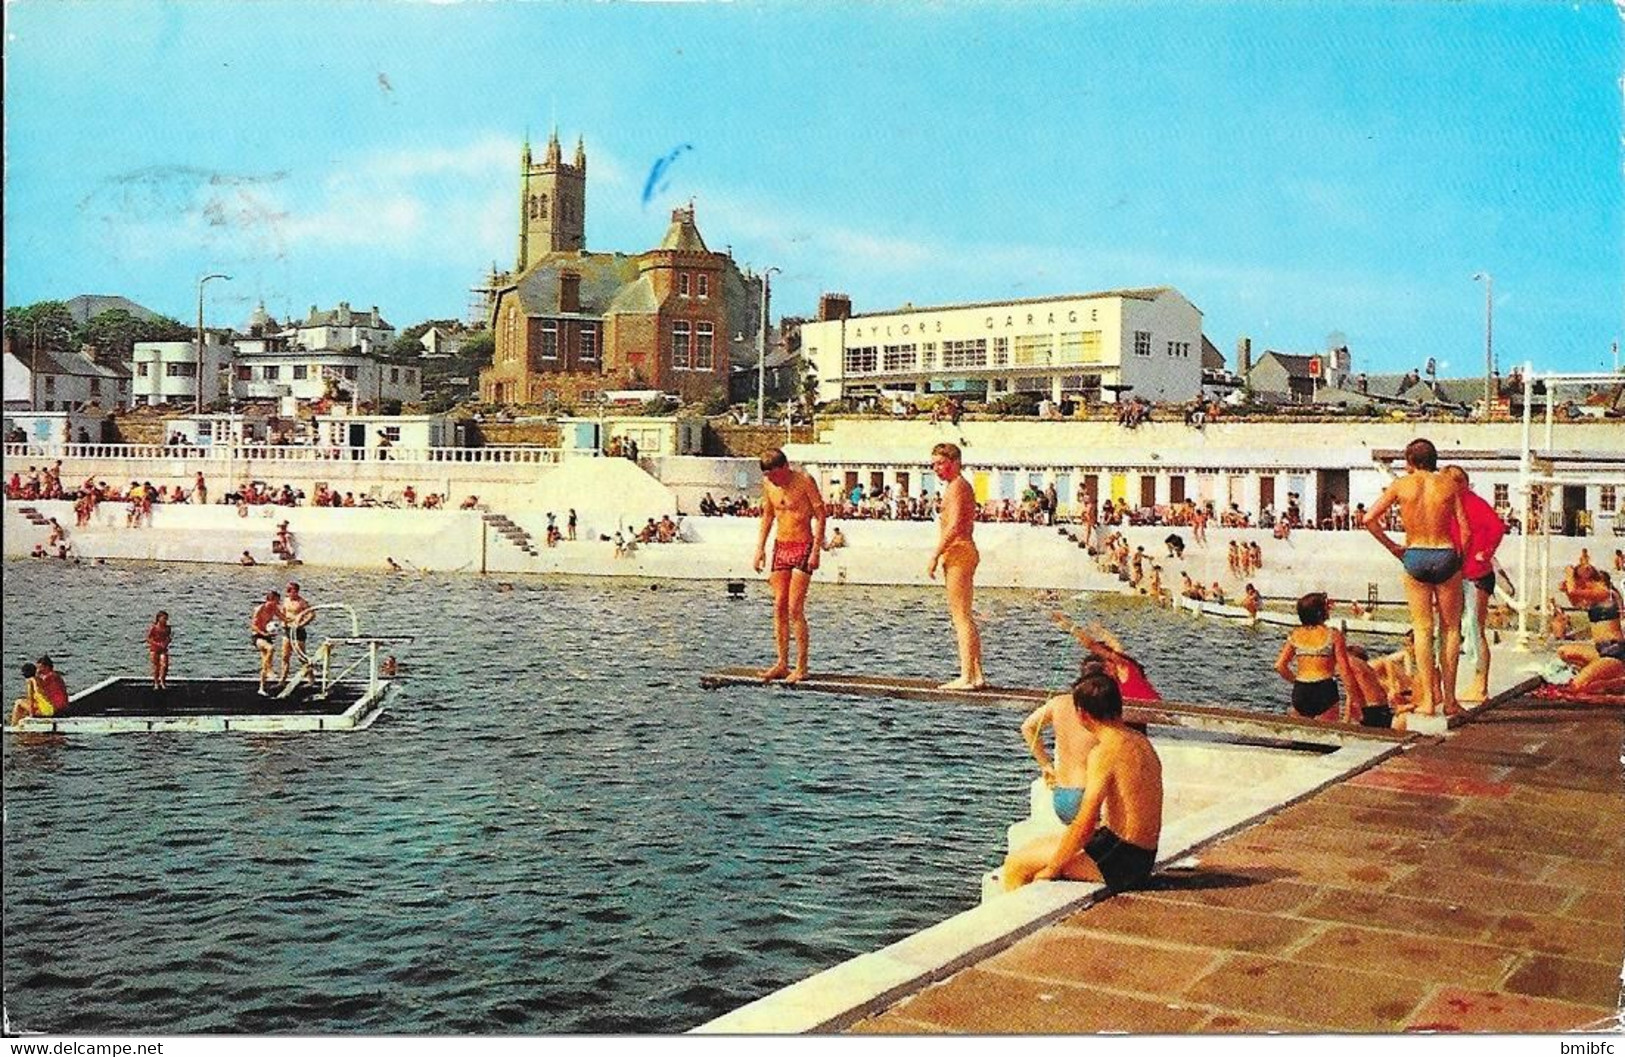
(124,704)
(1232,724)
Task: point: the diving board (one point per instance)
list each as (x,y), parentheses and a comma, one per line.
(1207,719)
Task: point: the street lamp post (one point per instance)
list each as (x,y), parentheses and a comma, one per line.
(33,373)
(199,379)
(1489,329)
(761,349)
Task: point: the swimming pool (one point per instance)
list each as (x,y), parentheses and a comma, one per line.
(551,829)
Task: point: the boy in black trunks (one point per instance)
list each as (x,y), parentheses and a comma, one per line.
(1113,838)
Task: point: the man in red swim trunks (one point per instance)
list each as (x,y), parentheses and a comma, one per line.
(793,511)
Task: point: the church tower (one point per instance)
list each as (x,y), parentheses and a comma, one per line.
(552,202)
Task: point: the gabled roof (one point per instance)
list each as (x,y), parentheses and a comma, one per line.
(1212,358)
(69,364)
(603,275)
(1296,366)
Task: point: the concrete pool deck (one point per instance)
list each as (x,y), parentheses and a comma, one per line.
(1464,883)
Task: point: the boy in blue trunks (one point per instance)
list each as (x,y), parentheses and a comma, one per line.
(1434,519)
(1113,836)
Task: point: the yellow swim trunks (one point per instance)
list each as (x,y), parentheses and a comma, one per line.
(961,552)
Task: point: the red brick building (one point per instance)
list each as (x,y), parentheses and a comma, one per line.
(570,323)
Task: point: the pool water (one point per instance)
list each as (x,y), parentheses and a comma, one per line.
(550,829)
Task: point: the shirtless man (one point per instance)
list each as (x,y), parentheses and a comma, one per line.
(297,613)
(1431,512)
(793,511)
(1113,837)
(957,554)
(1478,569)
(262,632)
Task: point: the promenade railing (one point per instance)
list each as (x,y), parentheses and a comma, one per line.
(509,454)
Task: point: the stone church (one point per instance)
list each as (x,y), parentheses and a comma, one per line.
(569,323)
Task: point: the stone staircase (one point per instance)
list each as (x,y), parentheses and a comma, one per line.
(34,516)
(506,529)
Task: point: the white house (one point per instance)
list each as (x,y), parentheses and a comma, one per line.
(344,328)
(1144,342)
(166,372)
(58,381)
(305,375)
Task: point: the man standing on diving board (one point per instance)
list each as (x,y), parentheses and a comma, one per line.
(957,554)
(793,511)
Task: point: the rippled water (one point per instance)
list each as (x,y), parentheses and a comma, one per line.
(550,829)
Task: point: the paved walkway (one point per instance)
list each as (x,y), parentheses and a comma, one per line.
(1474,883)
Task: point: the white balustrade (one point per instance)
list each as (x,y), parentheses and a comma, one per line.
(509,454)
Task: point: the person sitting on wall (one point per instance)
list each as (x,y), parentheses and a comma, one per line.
(837,540)
(470,503)
(1113,834)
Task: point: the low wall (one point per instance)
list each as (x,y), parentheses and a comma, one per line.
(1343,564)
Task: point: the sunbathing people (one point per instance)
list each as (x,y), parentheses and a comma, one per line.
(1113,834)
(1601,661)
(1321,657)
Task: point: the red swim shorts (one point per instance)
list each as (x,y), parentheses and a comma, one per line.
(792,554)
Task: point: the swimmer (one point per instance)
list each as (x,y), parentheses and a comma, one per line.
(1430,509)
(1066,773)
(262,626)
(957,554)
(158,639)
(297,613)
(1108,651)
(1321,656)
(51,687)
(1113,836)
(793,512)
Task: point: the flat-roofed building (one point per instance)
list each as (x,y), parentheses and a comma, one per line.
(1143,342)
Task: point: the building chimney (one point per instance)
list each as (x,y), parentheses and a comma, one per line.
(834,306)
(569,292)
(1244,356)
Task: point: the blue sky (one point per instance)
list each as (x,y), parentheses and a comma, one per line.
(1296,169)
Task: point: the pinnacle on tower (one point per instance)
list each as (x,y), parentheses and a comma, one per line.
(554,156)
(581,154)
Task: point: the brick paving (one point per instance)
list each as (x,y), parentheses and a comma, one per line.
(1475,883)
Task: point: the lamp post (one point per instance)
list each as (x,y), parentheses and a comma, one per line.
(33,373)
(761,349)
(199,378)
(1489,329)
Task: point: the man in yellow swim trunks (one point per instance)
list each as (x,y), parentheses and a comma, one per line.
(956,553)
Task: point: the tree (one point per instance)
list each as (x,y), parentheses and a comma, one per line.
(116,331)
(50,321)
(478,349)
